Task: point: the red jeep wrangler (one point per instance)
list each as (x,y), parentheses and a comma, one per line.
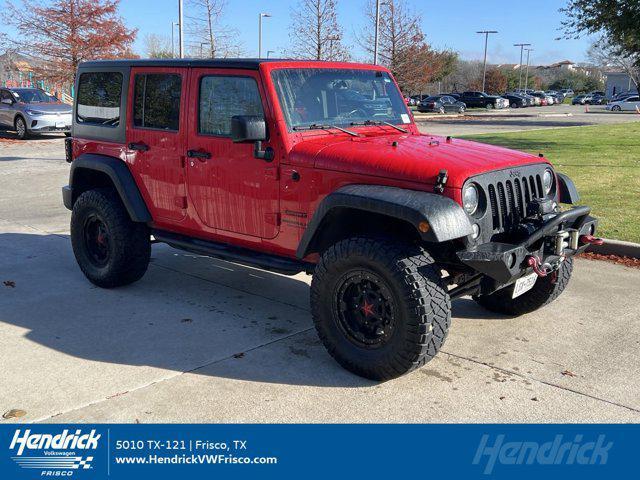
(317,167)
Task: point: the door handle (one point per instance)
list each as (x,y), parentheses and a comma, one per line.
(200,155)
(141,147)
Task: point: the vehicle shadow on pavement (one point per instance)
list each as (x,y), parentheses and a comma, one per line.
(12,135)
(189,313)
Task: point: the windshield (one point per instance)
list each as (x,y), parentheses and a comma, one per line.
(338,97)
(32,95)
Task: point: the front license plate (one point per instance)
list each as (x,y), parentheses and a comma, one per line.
(61,125)
(524,284)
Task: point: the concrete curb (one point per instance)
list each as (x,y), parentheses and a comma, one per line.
(617,247)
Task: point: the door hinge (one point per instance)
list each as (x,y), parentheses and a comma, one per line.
(272,218)
(180,201)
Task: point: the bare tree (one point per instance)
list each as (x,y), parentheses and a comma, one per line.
(315,32)
(402,46)
(398,31)
(207,36)
(603,54)
(157,46)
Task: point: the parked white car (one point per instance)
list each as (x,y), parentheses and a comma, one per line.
(628,104)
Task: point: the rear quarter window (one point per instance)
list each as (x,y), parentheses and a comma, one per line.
(99,98)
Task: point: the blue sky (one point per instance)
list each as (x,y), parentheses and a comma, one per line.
(446,24)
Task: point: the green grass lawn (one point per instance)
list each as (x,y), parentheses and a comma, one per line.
(604,163)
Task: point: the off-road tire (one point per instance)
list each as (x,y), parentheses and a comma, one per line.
(422,306)
(129,247)
(545,291)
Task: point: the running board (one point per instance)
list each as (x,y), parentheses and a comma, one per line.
(234,254)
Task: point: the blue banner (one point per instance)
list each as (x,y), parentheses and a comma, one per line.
(317,451)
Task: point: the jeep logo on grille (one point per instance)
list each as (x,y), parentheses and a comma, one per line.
(514,173)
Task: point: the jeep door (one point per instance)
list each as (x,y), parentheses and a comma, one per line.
(156,133)
(230,189)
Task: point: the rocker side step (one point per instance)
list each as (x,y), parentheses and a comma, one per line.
(234,254)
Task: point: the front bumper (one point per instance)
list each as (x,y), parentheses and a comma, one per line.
(556,238)
(49,123)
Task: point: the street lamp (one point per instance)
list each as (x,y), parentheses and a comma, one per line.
(375,37)
(521,45)
(173,42)
(526,78)
(270,52)
(484,68)
(201,44)
(260,17)
(181,29)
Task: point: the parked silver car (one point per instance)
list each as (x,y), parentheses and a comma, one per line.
(32,111)
(629,104)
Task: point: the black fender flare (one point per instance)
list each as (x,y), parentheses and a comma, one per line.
(447,220)
(567,191)
(121,177)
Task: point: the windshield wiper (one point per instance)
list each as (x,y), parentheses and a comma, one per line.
(317,126)
(380,122)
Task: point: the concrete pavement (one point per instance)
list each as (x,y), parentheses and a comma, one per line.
(201,340)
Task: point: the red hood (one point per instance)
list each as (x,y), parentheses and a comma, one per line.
(415,158)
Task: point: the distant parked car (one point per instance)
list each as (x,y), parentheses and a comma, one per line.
(597,100)
(567,92)
(544,98)
(623,96)
(31,111)
(581,99)
(628,104)
(515,101)
(441,104)
(483,100)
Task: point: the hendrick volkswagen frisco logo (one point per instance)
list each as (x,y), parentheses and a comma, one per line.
(54,455)
(514,173)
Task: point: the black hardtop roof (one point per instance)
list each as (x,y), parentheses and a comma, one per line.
(242,63)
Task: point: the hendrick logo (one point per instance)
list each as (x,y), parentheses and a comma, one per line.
(555,452)
(54,455)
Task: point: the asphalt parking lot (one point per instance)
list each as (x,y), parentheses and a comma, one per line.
(532,118)
(201,340)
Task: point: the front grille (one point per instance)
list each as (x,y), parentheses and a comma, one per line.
(508,199)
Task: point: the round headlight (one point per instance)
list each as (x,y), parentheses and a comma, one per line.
(470,199)
(547,181)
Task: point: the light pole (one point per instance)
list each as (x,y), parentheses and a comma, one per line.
(521,45)
(201,44)
(486,42)
(260,16)
(173,42)
(180,29)
(375,36)
(526,77)
(270,52)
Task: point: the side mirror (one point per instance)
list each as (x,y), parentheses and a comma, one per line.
(7,101)
(252,128)
(248,128)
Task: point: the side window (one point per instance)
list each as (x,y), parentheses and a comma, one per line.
(156,101)
(222,97)
(99,98)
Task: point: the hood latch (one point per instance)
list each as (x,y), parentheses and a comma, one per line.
(441,181)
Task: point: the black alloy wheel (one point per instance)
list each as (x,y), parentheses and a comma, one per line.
(364,308)
(97,240)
